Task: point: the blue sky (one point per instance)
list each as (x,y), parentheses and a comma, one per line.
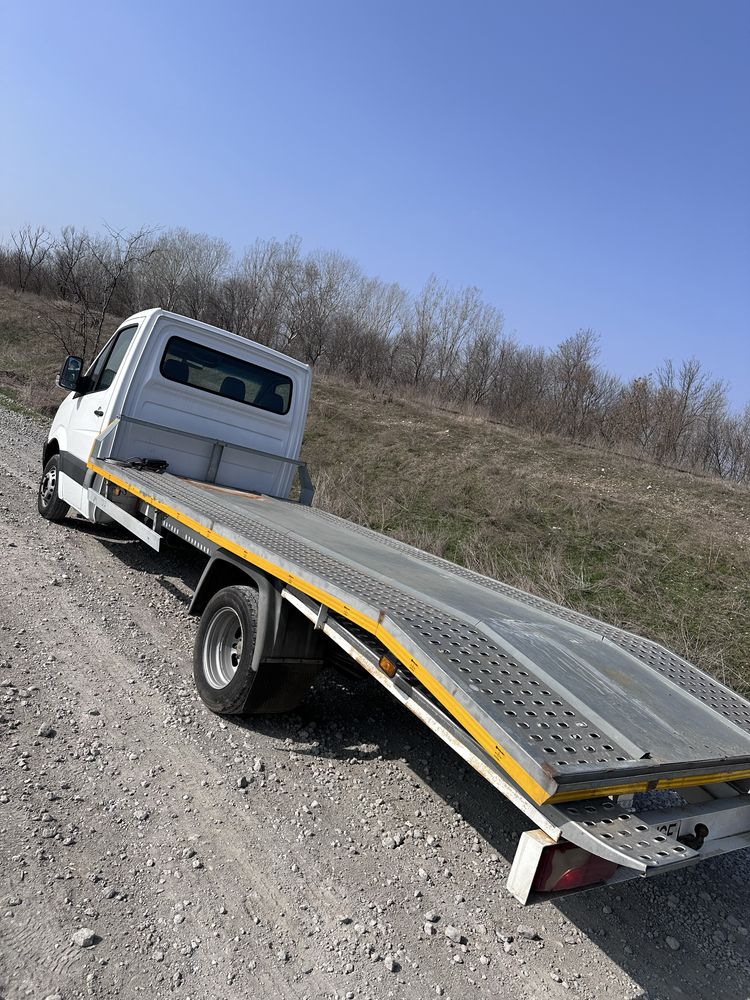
(585,164)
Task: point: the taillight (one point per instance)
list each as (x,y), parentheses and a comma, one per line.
(565,866)
(387,666)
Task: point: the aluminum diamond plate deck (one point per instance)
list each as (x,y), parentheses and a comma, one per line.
(575,703)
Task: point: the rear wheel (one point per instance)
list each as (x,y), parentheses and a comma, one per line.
(223,659)
(224,648)
(49,503)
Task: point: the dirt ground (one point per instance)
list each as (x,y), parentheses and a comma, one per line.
(297,856)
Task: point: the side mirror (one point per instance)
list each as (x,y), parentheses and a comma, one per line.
(70,373)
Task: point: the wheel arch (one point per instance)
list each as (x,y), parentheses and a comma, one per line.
(226,570)
(56,443)
(282,632)
(52,447)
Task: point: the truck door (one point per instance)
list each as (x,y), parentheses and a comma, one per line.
(90,409)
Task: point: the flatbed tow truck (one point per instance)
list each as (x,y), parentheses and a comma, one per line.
(628,760)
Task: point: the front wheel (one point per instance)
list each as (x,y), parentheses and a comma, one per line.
(48,501)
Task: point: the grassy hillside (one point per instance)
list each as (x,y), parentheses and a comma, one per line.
(660,552)
(657,551)
(30,357)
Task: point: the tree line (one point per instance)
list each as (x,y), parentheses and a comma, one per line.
(444,344)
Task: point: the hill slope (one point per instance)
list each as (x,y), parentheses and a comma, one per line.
(649,549)
(657,551)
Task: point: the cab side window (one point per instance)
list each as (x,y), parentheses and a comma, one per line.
(102,373)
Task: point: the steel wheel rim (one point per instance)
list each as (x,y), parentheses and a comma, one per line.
(48,486)
(222,648)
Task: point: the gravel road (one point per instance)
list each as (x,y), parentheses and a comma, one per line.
(151,849)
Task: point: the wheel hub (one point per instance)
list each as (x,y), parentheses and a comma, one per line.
(222,647)
(49,484)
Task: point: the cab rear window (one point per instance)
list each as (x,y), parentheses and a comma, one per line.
(212,371)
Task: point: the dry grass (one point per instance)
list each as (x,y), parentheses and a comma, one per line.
(30,356)
(650,549)
(657,551)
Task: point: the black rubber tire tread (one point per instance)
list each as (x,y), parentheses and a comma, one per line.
(56,509)
(234,698)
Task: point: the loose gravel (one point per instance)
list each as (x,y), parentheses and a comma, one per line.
(151,849)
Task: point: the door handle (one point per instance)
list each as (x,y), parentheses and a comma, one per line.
(98,413)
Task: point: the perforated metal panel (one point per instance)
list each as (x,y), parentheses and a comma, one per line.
(642,837)
(548,722)
(509,688)
(676,669)
(521,705)
(625,837)
(524,705)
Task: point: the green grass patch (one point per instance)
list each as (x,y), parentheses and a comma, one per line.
(9,402)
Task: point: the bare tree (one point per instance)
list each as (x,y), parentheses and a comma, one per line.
(485,362)
(323,309)
(266,270)
(523,396)
(635,413)
(207,259)
(165,278)
(70,252)
(577,383)
(319,288)
(117,255)
(32,247)
(418,344)
(362,339)
(457,316)
(89,271)
(685,395)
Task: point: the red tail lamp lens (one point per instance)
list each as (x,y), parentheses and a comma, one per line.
(566,866)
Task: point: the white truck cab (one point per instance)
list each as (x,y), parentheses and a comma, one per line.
(175,386)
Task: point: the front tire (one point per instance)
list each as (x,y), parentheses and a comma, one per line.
(48,500)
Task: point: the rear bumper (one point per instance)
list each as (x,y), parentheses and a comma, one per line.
(638,839)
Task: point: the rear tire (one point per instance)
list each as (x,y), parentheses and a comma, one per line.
(48,500)
(224,650)
(223,661)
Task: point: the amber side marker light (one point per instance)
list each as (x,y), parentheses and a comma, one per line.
(387,666)
(564,866)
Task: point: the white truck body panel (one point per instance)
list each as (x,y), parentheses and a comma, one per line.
(138,388)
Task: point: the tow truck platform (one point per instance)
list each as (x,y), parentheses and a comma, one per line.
(571,718)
